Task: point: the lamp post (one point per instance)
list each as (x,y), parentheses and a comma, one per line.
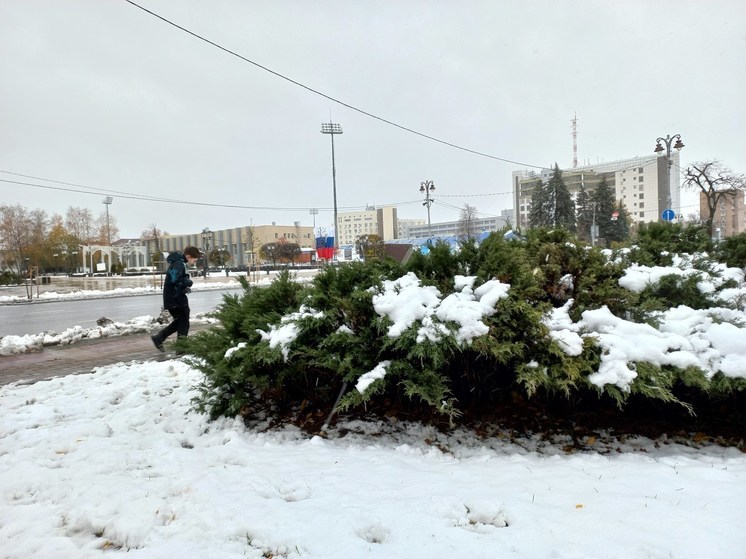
(206,238)
(427,188)
(107,202)
(331,129)
(659,148)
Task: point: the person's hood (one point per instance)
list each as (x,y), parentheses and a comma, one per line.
(175,257)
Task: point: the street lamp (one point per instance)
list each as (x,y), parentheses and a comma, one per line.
(206,238)
(107,202)
(331,129)
(427,188)
(659,148)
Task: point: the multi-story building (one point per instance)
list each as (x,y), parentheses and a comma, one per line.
(241,243)
(403,226)
(371,221)
(448,228)
(730,213)
(640,183)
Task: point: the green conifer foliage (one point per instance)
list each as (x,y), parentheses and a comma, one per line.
(541,213)
(562,205)
(287,350)
(604,205)
(732,251)
(585,214)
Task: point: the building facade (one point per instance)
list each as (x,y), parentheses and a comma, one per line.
(448,228)
(371,221)
(730,214)
(640,183)
(403,226)
(242,243)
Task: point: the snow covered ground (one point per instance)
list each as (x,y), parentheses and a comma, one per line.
(116,462)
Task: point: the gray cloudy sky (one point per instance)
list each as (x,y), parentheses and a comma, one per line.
(103,95)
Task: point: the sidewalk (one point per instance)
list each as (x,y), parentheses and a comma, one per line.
(81,357)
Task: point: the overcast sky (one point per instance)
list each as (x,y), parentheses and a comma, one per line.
(102,95)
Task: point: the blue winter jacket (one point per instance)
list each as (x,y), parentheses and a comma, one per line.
(177,282)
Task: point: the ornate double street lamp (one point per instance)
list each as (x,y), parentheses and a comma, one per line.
(668,213)
(427,188)
(331,129)
(206,240)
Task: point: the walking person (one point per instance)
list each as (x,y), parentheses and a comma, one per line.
(175,288)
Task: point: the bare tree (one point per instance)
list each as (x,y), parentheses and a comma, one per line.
(106,228)
(152,233)
(16,235)
(252,246)
(81,225)
(467,228)
(716,182)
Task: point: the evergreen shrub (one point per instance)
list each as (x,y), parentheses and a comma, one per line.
(291,349)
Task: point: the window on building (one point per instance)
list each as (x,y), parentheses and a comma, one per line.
(642,195)
(642,214)
(642,205)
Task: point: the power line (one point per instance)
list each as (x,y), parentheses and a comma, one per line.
(329,97)
(166,200)
(139,197)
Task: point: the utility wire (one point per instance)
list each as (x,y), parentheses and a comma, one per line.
(329,97)
(120,194)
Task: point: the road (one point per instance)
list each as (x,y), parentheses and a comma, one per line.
(35,317)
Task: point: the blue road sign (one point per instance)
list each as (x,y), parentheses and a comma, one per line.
(668,215)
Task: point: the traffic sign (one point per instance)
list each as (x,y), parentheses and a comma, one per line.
(668,215)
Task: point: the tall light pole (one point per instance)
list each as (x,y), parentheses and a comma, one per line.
(331,129)
(427,187)
(659,148)
(107,202)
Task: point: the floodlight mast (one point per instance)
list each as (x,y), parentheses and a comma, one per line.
(332,129)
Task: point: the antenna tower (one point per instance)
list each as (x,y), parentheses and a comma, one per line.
(574,122)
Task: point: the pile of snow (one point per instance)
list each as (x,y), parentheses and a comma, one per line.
(406,301)
(11,345)
(115,464)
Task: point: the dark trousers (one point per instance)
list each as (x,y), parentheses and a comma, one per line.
(180,324)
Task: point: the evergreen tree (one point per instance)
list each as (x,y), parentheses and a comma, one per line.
(563,207)
(618,228)
(584,210)
(603,199)
(539,215)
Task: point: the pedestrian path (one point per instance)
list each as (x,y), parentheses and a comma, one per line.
(81,357)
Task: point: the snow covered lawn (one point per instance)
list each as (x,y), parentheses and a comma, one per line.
(115,463)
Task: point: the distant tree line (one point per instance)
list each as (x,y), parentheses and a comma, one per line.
(32,238)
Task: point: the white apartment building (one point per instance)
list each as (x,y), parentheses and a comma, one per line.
(371,221)
(640,183)
(448,228)
(403,226)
